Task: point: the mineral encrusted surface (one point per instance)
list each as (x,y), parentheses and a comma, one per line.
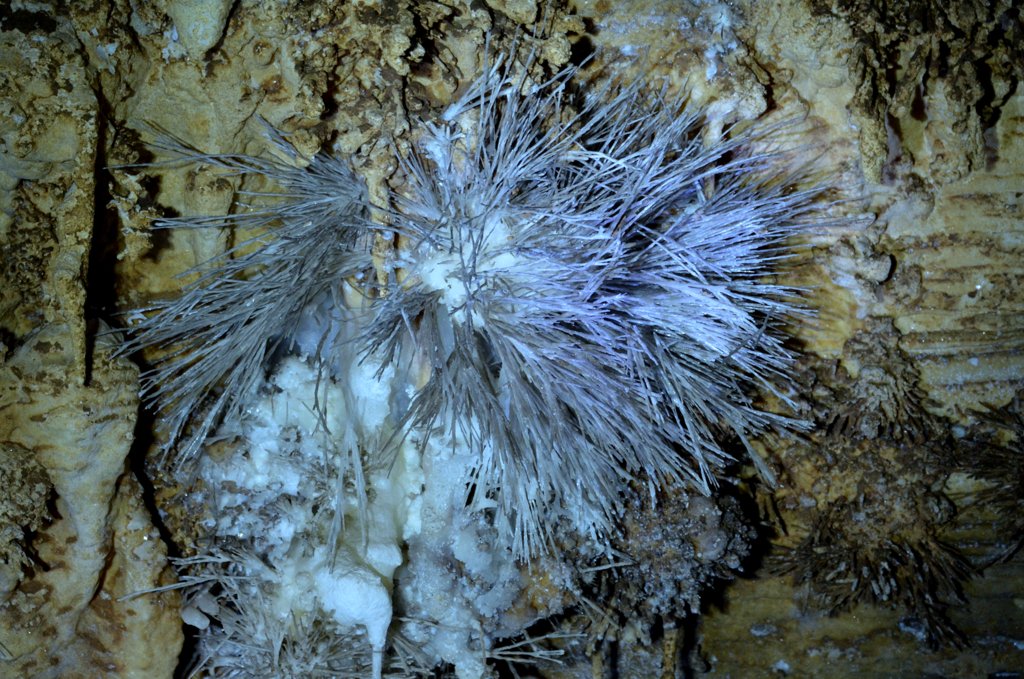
(889,543)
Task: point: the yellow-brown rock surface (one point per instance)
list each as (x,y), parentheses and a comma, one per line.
(67,411)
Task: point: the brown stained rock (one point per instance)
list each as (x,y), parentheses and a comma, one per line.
(692,46)
(81,436)
(137,635)
(66,411)
(963,250)
(762,632)
(318,73)
(520,11)
(902,54)
(47,172)
(22,515)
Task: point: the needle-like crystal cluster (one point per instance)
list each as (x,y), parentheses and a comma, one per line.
(219,336)
(578,301)
(586,285)
(580,293)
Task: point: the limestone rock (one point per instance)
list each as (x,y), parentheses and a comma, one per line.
(910,110)
(67,411)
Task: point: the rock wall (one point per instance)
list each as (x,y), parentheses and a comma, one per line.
(77,534)
(894,514)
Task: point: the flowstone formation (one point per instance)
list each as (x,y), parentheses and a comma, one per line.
(885,537)
(76,533)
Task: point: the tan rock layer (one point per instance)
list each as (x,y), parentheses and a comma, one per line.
(64,405)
